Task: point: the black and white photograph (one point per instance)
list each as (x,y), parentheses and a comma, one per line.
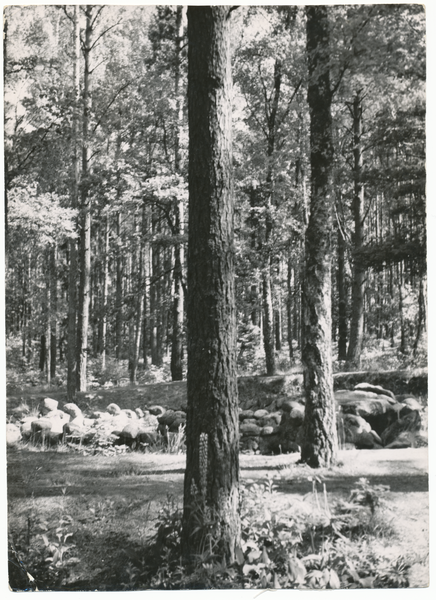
(215,294)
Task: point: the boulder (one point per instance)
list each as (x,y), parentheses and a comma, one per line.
(250,444)
(73,410)
(48,404)
(72,428)
(276,443)
(166,418)
(268,430)
(377,409)
(72,432)
(120,421)
(376,437)
(13,434)
(140,413)
(76,415)
(272,420)
(113,409)
(352,426)
(376,389)
(409,423)
(409,404)
(365,441)
(41,424)
(156,410)
(289,405)
(246,414)
(131,414)
(296,415)
(100,415)
(249,429)
(260,414)
(129,433)
(149,423)
(405,439)
(178,422)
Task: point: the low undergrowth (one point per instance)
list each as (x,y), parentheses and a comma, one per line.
(312,544)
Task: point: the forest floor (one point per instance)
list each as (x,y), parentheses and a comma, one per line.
(112,502)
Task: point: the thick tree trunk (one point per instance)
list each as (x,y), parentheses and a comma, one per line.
(85,218)
(357,290)
(72,244)
(211,488)
(319,447)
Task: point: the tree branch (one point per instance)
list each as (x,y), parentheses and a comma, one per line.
(110,104)
(104,33)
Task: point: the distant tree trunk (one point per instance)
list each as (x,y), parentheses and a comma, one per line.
(319,446)
(289,304)
(278,328)
(72,244)
(177,337)
(85,217)
(104,296)
(156,296)
(48,308)
(404,342)
(342,295)
(211,488)
(119,294)
(139,300)
(43,352)
(178,311)
(53,312)
(268,322)
(357,290)
(268,313)
(421,320)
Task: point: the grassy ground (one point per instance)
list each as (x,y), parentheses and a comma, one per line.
(110,504)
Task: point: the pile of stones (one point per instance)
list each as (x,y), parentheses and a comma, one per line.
(368,417)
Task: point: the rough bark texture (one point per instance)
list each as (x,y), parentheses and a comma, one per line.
(357,291)
(211,489)
(320,441)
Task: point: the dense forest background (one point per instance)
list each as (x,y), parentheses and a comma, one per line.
(96,189)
